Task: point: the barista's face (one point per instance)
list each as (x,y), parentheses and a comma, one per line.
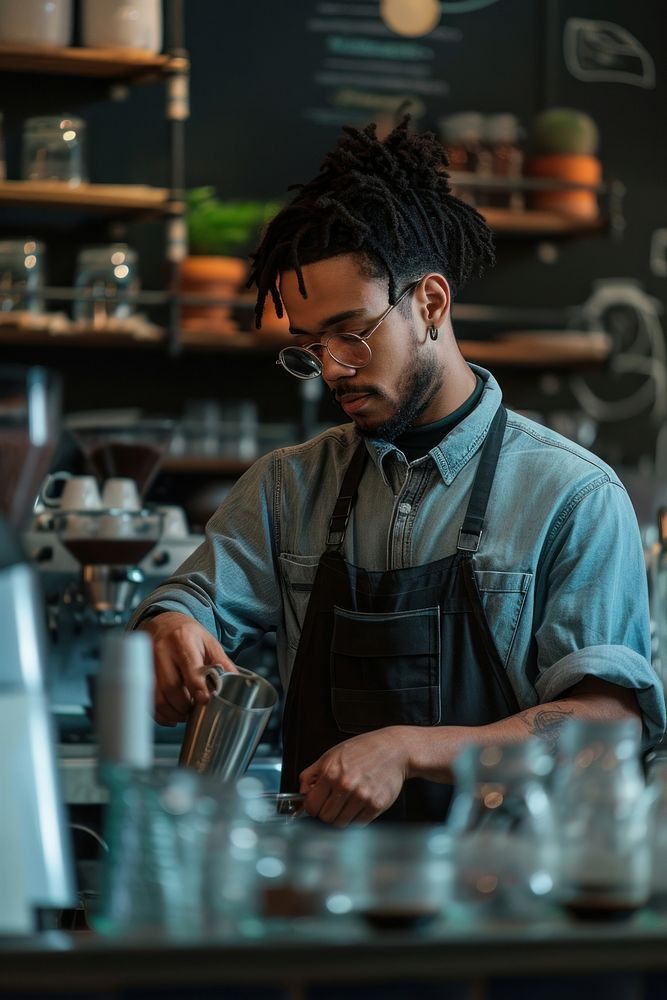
(403,381)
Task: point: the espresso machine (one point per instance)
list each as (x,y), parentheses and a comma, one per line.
(36,869)
(95,566)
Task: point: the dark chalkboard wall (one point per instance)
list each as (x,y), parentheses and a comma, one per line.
(272,83)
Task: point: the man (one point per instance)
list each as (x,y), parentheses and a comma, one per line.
(439,571)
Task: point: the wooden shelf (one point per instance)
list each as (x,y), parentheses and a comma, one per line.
(237,342)
(529,349)
(205,464)
(129,199)
(85,339)
(530,222)
(558,349)
(114,64)
(511,222)
(564,349)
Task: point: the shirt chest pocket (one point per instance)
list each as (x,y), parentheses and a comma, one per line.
(503,597)
(298,573)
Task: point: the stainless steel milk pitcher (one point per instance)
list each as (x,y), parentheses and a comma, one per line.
(222,736)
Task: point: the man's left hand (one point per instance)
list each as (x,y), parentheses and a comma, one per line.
(357,780)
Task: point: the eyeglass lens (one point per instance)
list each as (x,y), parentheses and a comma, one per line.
(300,362)
(346,349)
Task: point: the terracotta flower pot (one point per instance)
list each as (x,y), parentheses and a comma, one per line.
(219,278)
(273,325)
(576,168)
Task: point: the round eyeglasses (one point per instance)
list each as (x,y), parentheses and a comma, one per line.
(349,349)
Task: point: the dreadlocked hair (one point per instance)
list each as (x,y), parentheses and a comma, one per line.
(388,201)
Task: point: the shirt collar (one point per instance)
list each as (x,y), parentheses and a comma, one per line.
(457,447)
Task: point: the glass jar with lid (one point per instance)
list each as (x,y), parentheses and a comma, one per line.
(21,275)
(461,135)
(54,149)
(502,140)
(106,280)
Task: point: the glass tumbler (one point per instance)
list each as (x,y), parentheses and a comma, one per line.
(157,827)
(21,275)
(54,149)
(106,277)
(402,874)
(504,832)
(603,815)
(658,835)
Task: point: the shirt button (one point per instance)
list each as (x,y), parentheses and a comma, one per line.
(404,508)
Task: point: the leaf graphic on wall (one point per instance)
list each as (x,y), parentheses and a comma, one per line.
(603,52)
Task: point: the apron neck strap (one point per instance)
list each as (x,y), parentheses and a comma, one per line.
(346,497)
(470,532)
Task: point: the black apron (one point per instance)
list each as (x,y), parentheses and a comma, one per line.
(402,647)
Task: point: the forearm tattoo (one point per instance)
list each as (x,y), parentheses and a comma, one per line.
(547,723)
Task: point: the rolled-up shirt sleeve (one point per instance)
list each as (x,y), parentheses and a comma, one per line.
(592,613)
(229,584)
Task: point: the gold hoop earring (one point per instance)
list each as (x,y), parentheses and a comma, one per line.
(432,331)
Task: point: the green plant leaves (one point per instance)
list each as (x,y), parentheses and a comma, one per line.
(225,227)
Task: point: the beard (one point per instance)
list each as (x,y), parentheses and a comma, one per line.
(416,389)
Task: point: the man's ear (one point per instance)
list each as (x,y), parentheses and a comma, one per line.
(434,298)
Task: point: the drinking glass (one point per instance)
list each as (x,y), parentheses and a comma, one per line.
(402,873)
(157,827)
(54,150)
(658,835)
(21,275)
(271,866)
(106,276)
(603,816)
(230,886)
(502,823)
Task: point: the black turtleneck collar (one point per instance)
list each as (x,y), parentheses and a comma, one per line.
(418,441)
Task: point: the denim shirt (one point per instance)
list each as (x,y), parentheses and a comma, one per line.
(560,565)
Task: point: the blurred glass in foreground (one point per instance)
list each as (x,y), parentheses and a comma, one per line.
(502,823)
(604,810)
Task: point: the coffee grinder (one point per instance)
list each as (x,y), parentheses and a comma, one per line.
(111,544)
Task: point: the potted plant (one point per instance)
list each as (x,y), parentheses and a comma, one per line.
(221,234)
(565,142)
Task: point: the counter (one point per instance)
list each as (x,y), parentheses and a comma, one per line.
(347,953)
(77,766)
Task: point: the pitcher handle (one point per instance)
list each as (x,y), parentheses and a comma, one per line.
(213,677)
(55,477)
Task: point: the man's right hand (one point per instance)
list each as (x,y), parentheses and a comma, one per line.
(182,648)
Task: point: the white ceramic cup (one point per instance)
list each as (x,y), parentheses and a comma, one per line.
(174,523)
(121,494)
(132,24)
(36,22)
(116,525)
(79,492)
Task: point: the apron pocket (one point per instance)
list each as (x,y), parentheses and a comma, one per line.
(385,669)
